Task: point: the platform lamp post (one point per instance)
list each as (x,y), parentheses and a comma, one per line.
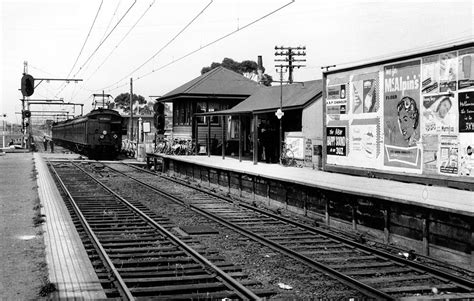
(3,129)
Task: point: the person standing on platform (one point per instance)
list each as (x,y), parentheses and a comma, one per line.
(45,143)
(51,145)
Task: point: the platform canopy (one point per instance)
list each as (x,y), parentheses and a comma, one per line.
(267,99)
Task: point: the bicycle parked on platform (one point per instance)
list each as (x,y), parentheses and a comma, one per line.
(287,156)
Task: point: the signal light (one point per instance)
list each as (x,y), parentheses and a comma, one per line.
(26,114)
(159,108)
(159,122)
(27,85)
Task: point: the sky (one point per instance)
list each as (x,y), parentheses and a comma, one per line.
(169,41)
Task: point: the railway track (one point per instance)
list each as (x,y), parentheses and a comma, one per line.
(374,273)
(135,253)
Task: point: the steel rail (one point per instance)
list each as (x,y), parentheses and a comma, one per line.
(462,282)
(122,287)
(348,281)
(229,281)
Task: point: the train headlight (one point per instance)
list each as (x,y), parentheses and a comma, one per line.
(104,132)
(102,136)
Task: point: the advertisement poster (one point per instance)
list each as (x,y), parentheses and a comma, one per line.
(466,156)
(364,143)
(448,66)
(430,154)
(439,114)
(296,144)
(365,91)
(430,74)
(308,152)
(466,112)
(336,101)
(402,115)
(336,141)
(466,69)
(448,154)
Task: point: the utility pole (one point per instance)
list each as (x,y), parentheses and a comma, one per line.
(131,109)
(290,53)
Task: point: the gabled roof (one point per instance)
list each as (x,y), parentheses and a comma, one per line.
(218,81)
(268,98)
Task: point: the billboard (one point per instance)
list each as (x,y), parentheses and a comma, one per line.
(413,115)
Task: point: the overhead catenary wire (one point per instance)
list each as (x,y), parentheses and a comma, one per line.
(111,18)
(120,42)
(164,47)
(87,38)
(105,39)
(100,44)
(207,45)
(63,85)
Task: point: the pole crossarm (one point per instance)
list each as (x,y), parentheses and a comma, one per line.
(57,79)
(289,54)
(45,100)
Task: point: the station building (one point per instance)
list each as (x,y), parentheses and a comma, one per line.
(227,114)
(216,90)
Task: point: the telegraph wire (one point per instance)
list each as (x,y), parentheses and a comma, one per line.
(205,46)
(162,48)
(103,62)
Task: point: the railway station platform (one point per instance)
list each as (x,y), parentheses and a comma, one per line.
(436,197)
(68,264)
(432,220)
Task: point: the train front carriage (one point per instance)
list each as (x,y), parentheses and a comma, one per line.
(97,134)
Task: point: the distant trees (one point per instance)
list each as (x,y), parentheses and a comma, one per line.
(122,102)
(247,68)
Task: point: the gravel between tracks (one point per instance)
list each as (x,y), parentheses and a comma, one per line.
(261,263)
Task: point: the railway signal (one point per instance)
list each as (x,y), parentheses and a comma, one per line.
(27,85)
(26,113)
(159,118)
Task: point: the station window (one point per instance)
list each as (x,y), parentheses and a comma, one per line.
(182,113)
(201,107)
(214,107)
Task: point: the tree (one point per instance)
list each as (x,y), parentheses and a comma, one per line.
(247,68)
(123,102)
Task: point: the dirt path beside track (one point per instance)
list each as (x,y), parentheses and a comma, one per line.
(23,269)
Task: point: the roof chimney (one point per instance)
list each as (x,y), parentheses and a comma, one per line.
(259,70)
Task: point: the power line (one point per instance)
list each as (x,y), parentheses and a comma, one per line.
(111,18)
(108,35)
(87,37)
(207,45)
(162,48)
(103,62)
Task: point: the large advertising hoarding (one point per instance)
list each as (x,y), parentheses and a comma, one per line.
(409,116)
